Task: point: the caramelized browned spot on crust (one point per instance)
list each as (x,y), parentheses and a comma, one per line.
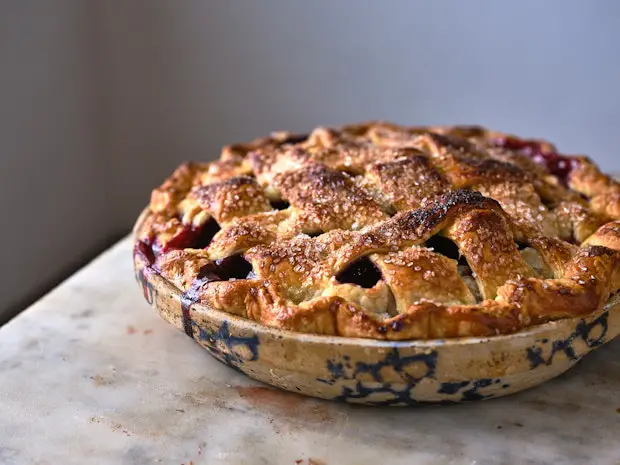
(337,226)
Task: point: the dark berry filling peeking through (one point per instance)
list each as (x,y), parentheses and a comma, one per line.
(233,267)
(444,246)
(193,237)
(206,234)
(145,251)
(362,272)
(182,239)
(296,139)
(279,204)
(557,164)
(224,269)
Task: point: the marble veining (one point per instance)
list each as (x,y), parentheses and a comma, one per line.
(92,375)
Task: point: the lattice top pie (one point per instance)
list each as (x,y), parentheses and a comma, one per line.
(382,231)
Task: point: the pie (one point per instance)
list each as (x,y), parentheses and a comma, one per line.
(382,231)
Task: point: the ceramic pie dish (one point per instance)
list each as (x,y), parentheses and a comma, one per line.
(388,265)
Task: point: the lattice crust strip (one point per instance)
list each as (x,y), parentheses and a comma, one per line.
(382,231)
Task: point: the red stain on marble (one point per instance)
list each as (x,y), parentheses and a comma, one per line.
(264,397)
(131,329)
(99,380)
(286,411)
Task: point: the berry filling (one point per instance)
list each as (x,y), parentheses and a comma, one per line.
(145,251)
(181,240)
(444,246)
(189,237)
(362,272)
(225,269)
(296,139)
(279,204)
(558,165)
(193,237)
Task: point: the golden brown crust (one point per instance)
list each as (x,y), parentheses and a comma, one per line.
(607,235)
(382,231)
(181,267)
(407,182)
(324,199)
(166,197)
(418,274)
(235,197)
(489,249)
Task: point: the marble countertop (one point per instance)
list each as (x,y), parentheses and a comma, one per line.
(91,375)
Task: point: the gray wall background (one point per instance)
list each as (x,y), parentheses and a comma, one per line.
(102,99)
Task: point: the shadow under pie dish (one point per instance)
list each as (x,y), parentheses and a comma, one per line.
(391,265)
